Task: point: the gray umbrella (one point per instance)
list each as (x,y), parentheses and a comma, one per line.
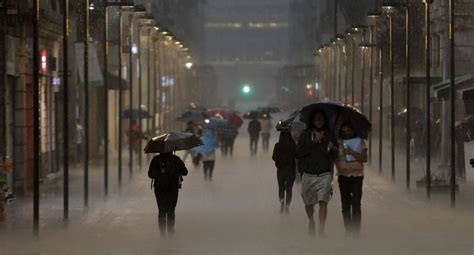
(173,141)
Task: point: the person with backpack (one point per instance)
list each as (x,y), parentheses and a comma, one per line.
(352,153)
(166,171)
(284,155)
(254,129)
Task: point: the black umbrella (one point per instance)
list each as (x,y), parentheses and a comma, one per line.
(337,114)
(250,115)
(196,107)
(220,126)
(269,109)
(141,113)
(192,116)
(285,123)
(170,142)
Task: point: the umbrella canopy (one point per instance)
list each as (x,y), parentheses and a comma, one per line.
(415,114)
(285,123)
(170,142)
(210,143)
(192,116)
(228,115)
(337,114)
(141,113)
(269,109)
(250,115)
(196,107)
(220,126)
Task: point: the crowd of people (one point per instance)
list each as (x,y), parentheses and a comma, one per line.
(316,154)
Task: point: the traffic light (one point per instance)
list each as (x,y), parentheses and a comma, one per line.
(246,90)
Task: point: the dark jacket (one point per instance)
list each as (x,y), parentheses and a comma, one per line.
(314,158)
(284,156)
(166,172)
(254,127)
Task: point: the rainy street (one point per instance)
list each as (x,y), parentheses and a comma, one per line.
(266,127)
(238,213)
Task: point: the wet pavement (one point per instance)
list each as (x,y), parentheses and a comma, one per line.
(237,213)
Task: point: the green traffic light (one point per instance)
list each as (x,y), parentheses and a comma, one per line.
(246,90)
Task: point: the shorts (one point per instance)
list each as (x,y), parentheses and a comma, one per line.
(316,188)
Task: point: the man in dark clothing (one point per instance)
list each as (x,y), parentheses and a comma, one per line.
(167,171)
(284,155)
(254,129)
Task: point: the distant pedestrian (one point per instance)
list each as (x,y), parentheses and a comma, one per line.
(316,154)
(79,140)
(254,129)
(266,129)
(135,134)
(194,129)
(284,155)
(167,171)
(352,153)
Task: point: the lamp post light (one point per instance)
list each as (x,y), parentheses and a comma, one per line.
(372,17)
(120,5)
(452,76)
(389,10)
(428,95)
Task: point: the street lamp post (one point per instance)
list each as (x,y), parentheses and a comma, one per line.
(452,76)
(65,110)
(381,77)
(428,95)
(120,99)
(389,8)
(120,4)
(86,102)
(36,116)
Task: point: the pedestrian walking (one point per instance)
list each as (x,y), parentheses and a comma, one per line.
(352,153)
(135,134)
(207,153)
(316,154)
(266,125)
(254,129)
(79,140)
(167,171)
(284,154)
(194,129)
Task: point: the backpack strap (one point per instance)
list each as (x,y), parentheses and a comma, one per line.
(152,182)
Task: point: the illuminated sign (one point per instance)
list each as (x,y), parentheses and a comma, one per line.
(44,61)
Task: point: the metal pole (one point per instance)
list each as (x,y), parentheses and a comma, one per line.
(452,75)
(353,71)
(428,96)
(362,81)
(334,68)
(408,93)
(130,123)
(340,73)
(336,2)
(392,97)
(371,86)
(140,85)
(346,74)
(153,93)
(36,117)
(149,92)
(120,28)
(106,101)
(380,110)
(86,103)
(66,109)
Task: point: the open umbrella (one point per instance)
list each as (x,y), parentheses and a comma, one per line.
(269,109)
(210,143)
(141,113)
(285,123)
(220,126)
(337,114)
(192,116)
(228,115)
(173,141)
(250,115)
(196,107)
